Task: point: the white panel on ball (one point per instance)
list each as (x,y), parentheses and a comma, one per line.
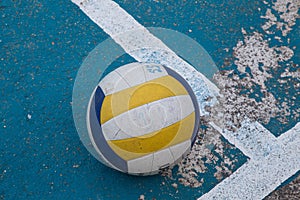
(147,118)
(133,76)
(109,87)
(153,71)
(141,165)
(162,159)
(177,149)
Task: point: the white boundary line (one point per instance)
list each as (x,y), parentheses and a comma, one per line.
(272,160)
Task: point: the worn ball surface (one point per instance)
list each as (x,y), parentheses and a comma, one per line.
(142,118)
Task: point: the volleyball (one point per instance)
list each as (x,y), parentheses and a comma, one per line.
(142,118)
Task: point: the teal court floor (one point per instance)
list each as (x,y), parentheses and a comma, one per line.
(43,45)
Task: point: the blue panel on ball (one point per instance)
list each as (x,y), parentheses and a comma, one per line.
(194,100)
(99,98)
(98,136)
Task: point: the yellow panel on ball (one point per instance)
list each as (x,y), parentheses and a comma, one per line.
(158,140)
(122,101)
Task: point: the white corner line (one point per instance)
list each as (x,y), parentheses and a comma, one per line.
(262,174)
